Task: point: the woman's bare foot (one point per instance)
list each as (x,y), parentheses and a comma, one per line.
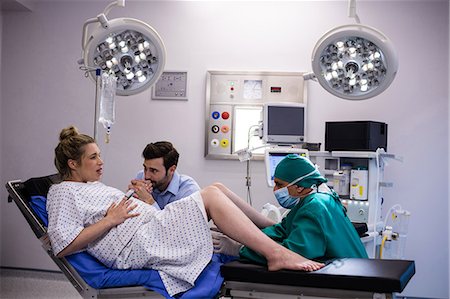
(283,258)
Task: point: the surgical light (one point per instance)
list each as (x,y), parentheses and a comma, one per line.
(354,62)
(124,47)
(127,49)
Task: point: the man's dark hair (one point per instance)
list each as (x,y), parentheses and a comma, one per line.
(161,149)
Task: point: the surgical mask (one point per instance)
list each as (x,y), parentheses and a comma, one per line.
(284,199)
(282,194)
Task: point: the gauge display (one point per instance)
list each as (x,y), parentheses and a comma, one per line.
(252,89)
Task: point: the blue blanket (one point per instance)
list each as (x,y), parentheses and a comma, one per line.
(99,276)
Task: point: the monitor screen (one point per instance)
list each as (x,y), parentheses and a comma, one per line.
(273,156)
(284,123)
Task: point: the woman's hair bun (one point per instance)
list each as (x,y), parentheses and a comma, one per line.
(68,132)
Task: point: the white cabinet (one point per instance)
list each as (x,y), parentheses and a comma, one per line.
(366,210)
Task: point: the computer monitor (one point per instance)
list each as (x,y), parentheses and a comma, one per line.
(284,123)
(273,156)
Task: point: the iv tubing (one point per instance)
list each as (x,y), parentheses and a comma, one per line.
(389,212)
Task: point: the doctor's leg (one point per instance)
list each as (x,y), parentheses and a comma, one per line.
(234,223)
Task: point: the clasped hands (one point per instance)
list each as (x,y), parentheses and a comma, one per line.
(142,190)
(117,213)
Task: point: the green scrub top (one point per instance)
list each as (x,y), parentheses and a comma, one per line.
(316,228)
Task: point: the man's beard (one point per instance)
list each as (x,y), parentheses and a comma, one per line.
(159,184)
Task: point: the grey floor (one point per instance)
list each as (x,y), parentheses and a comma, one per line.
(24,284)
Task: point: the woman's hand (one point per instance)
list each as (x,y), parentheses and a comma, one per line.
(142,190)
(118,213)
(115,215)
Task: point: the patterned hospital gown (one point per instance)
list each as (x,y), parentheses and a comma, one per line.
(175,241)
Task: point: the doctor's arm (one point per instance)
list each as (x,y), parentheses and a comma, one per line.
(115,215)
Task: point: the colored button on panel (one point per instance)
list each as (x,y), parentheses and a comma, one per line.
(225,129)
(224,142)
(225,115)
(215,114)
(215,129)
(214,143)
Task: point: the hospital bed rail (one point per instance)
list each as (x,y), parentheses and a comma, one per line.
(20,194)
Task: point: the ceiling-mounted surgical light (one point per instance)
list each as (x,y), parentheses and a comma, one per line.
(130,49)
(125,50)
(354,62)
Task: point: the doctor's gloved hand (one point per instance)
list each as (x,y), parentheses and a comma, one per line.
(224,244)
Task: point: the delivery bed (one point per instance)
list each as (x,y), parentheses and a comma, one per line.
(223,277)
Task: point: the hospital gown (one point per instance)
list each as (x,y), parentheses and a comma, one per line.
(175,241)
(317,228)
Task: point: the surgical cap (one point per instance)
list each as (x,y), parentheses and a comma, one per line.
(294,166)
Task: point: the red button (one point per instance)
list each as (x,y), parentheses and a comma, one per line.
(225,115)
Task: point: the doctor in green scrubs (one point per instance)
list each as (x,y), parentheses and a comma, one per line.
(317,226)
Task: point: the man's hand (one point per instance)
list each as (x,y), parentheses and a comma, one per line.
(143,190)
(224,244)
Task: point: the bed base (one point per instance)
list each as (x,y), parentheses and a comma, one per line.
(240,290)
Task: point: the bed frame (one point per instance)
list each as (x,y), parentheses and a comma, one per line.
(341,278)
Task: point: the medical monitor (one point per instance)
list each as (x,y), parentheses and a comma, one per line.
(284,123)
(273,156)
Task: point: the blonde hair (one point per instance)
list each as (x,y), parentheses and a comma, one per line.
(70,147)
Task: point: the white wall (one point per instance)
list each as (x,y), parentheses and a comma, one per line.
(43,91)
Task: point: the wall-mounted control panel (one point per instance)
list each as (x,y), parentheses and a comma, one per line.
(234,101)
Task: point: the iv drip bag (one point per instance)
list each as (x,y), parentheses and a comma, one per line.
(107,102)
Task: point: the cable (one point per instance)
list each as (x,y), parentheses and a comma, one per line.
(248,179)
(382,246)
(389,212)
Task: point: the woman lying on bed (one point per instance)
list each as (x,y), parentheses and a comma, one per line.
(130,233)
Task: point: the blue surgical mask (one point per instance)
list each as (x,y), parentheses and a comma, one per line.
(284,199)
(282,194)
